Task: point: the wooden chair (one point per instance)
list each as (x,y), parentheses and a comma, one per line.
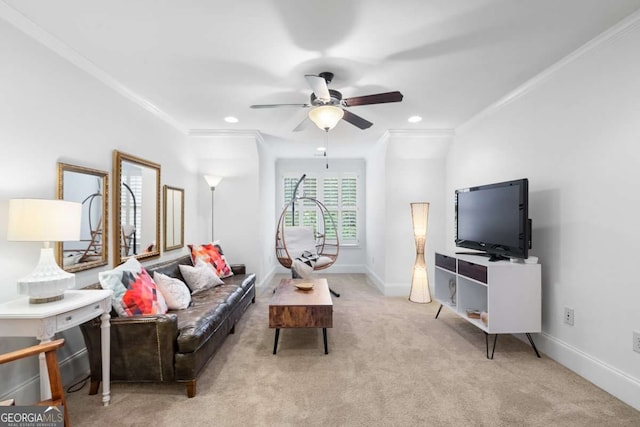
(55,380)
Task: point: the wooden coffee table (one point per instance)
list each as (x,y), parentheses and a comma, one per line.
(291,307)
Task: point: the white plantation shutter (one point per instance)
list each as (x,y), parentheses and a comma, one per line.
(126,202)
(330,192)
(310,186)
(349,209)
(338,193)
(331,199)
(289,184)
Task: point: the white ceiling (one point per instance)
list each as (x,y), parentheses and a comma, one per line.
(198,61)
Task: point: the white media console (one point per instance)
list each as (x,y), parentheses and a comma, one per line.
(509,292)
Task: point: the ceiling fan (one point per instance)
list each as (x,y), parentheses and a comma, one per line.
(327,105)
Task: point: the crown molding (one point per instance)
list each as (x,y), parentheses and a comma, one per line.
(56,45)
(610,34)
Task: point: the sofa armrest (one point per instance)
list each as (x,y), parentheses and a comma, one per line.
(238,268)
(142,348)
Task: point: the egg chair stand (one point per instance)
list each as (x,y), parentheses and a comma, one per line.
(94,249)
(292,241)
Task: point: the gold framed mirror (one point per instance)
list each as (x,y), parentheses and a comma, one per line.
(136,197)
(90,187)
(173,218)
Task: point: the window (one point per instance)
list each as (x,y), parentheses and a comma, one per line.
(130,201)
(338,192)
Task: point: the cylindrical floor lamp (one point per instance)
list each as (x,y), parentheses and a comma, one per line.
(420,280)
(213,181)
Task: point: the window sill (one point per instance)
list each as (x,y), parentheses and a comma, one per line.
(350,245)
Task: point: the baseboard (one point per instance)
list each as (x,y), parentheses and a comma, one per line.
(375,279)
(608,378)
(388,289)
(267,278)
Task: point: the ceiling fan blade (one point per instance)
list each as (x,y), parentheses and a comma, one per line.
(319,86)
(378,98)
(279,105)
(302,125)
(356,120)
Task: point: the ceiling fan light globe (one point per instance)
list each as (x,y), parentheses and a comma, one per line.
(326,117)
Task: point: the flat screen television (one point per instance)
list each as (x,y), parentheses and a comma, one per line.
(494,219)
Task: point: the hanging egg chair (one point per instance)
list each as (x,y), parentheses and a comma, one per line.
(316,241)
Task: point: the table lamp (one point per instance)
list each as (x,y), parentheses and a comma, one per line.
(38,220)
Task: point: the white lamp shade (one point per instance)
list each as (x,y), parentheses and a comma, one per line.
(420,282)
(420,218)
(326,117)
(39,220)
(213,180)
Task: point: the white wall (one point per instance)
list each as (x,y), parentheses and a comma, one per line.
(404,167)
(375,255)
(268,216)
(237,199)
(576,136)
(52,111)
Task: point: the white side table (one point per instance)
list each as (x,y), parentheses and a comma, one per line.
(18,318)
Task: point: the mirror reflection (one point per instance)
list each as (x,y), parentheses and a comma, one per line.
(90,188)
(173,218)
(137,193)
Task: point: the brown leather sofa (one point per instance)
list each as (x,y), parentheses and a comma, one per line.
(176,346)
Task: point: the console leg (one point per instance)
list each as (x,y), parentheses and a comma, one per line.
(324,335)
(533,344)
(275,342)
(438,313)
(486,340)
(95,385)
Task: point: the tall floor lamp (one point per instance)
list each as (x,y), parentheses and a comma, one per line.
(420,280)
(213,182)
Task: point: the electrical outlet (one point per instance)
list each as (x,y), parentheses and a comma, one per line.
(636,341)
(568,316)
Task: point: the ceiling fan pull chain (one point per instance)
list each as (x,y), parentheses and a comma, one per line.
(326,148)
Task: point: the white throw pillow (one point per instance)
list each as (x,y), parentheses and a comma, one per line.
(174,291)
(301,270)
(299,240)
(322,261)
(202,276)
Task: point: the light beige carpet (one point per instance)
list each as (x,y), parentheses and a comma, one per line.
(390,363)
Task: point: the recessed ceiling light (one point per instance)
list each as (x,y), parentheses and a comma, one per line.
(414,119)
(321,149)
(231,119)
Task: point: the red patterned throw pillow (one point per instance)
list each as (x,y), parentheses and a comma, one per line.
(134,291)
(212,253)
